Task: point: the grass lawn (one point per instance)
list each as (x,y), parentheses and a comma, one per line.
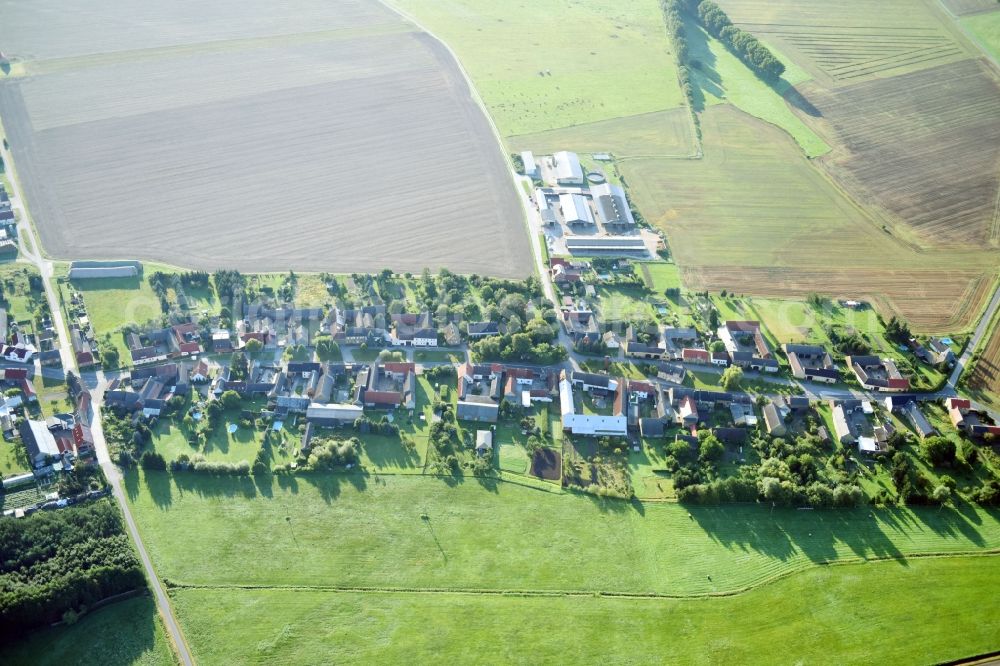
(985,28)
(710,381)
(385,454)
(13,459)
(170,440)
(126,632)
(829,615)
(551,63)
(114,302)
(624,303)
(438,356)
(643,466)
(314,529)
(626,369)
(513,458)
(17,294)
(721,77)
(311,291)
(660,276)
(660,133)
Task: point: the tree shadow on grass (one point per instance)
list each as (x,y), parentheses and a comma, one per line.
(702,66)
(158,484)
(385,453)
(948,522)
(125,629)
(329,484)
(130,481)
(288,483)
(794,97)
(210,485)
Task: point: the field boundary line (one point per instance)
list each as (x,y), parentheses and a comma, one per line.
(61,64)
(610,594)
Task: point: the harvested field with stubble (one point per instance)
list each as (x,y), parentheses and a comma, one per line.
(924,146)
(217,144)
(985,377)
(941,301)
(754,217)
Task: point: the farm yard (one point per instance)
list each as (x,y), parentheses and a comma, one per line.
(208,536)
(888,598)
(194,152)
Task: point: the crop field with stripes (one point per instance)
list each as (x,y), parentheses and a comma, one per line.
(852,40)
(924,146)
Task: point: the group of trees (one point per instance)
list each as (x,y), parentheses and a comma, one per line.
(744,45)
(675,30)
(198,463)
(747,48)
(790,474)
(897,331)
(53,565)
(912,485)
(525,337)
(330,453)
(124,436)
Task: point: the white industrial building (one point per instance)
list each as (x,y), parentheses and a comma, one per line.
(568,169)
(530,166)
(612,206)
(590,425)
(575,209)
(620,244)
(333,414)
(541,200)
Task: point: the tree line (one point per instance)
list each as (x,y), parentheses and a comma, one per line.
(54,565)
(747,48)
(743,44)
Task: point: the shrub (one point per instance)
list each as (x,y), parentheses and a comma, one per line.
(153,461)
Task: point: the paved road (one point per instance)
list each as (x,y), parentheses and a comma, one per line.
(977,336)
(32,252)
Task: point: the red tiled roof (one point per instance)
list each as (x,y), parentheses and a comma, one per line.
(383,397)
(695,353)
(64,442)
